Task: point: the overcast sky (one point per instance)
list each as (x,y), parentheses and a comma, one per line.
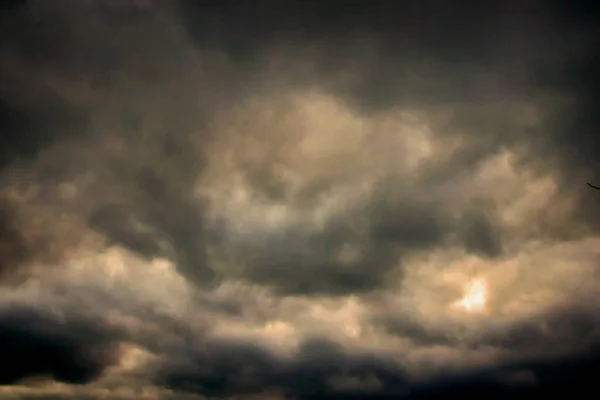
(285,199)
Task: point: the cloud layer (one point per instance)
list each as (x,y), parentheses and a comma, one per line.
(283,199)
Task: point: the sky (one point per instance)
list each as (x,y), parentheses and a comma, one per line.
(285,199)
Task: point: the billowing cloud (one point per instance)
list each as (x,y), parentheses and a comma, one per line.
(281,199)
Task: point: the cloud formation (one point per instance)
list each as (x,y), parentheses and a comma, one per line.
(282,199)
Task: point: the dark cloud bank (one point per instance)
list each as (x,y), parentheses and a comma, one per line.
(103,89)
(34,344)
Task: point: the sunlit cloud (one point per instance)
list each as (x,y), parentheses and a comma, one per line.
(475,297)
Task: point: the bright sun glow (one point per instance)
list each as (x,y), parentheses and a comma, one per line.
(475,296)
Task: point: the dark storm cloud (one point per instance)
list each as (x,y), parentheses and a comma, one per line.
(561,377)
(467,68)
(34,344)
(319,366)
(434,54)
(426,52)
(321,369)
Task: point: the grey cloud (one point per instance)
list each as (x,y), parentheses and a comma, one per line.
(406,222)
(288,23)
(175,227)
(33,117)
(466,59)
(555,333)
(550,354)
(96,93)
(26,242)
(132,317)
(51,137)
(452,54)
(562,331)
(292,260)
(408,328)
(301,260)
(481,236)
(13,246)
(160,198)
(356,251)
(227,368)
